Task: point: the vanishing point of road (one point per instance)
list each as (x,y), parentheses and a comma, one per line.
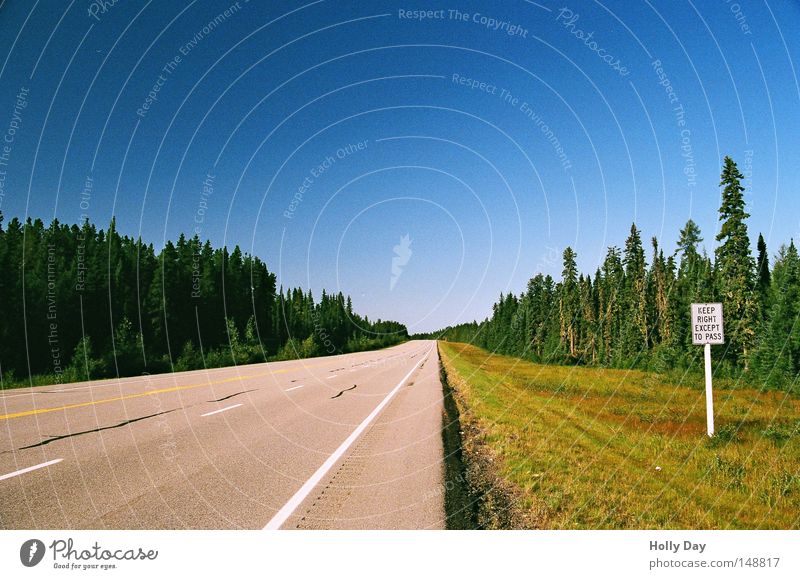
(350,441)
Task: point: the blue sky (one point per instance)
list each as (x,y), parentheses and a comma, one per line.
(492,134)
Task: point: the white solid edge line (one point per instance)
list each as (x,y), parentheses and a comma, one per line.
(220,410)
(286,511)
(294,388)
(30,468)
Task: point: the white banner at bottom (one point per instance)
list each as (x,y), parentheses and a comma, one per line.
(331,554)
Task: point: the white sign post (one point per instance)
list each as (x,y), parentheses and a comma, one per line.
(707,329)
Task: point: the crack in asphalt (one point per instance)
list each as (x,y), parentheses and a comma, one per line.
(99,429)
(343,391)
(232,395)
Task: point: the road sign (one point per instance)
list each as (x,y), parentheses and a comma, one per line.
(707,329)
(707,326)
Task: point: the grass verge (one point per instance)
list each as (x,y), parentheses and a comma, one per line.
(585,448)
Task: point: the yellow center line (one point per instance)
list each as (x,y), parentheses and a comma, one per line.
(152,392)
(138,395)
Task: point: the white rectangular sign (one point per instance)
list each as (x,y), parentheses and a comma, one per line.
(707,327)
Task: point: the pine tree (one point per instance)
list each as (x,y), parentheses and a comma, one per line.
(636,337)
(777,357)
(569,306)
(611,305)
(661,296)
(689,282)
(735,267)
(588,319)
(540,299)
(763,273)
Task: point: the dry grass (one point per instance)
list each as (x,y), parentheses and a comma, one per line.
(616,449)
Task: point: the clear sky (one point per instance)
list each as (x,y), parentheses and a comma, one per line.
(319,135)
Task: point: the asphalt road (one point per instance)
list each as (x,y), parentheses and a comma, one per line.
(350,441)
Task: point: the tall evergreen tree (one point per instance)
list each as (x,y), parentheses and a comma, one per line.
(735,267)
(611,305)
(636,336)
(569,305)
(763,275)
(662,282)
(777,357)
(588,338)
(691,274)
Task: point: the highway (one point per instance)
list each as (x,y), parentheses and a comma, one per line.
(341,442)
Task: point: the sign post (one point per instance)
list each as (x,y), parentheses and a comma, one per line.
(707,329)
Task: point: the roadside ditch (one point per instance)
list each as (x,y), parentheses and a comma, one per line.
(476,496)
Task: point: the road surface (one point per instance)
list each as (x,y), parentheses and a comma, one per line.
(350,441)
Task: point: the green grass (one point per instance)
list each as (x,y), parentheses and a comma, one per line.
(594,448)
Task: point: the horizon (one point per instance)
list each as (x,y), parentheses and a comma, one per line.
(772,254)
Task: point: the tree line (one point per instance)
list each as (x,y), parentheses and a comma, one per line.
(634,314)
(78,302)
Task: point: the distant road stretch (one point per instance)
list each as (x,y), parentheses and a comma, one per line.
(350,441)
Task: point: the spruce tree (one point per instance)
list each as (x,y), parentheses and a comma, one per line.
(777,357)
(688,283)
(568,302)
(763,273)
(611,305)
(636,337)
(661,296)
(588,319)
(735,267)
